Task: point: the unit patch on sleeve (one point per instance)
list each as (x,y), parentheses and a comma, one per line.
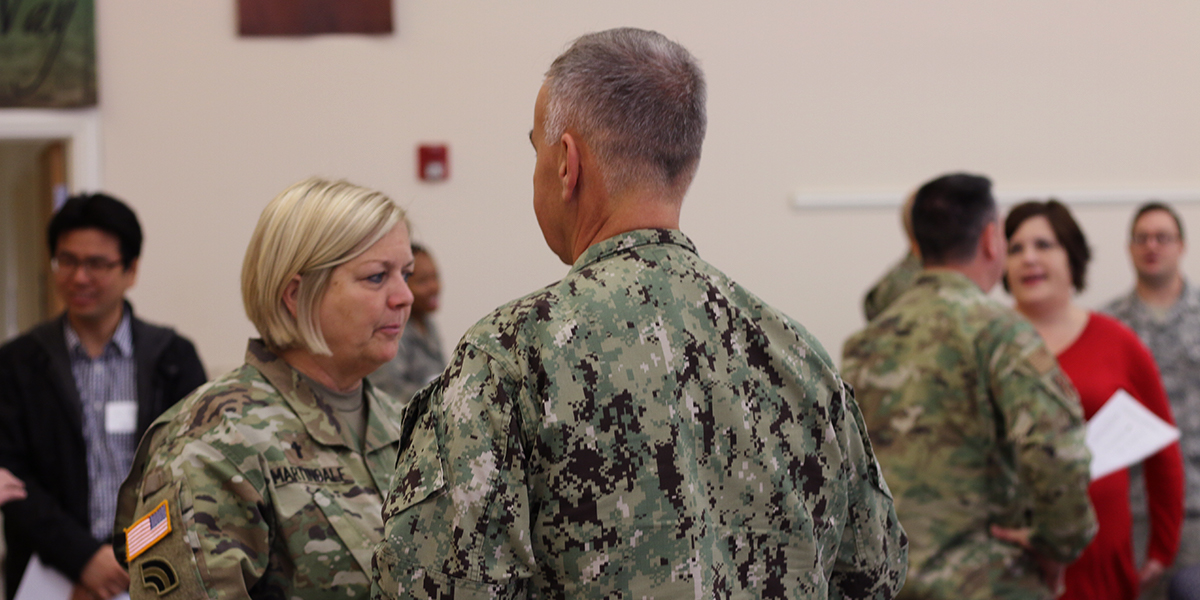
(146,531)
(159,576)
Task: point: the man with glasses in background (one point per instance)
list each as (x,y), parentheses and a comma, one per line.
(1164,310)
(77,392)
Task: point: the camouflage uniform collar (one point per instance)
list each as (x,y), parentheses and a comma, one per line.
(383,426)
(946,279)
(321,425)
(624,242)
(1189,301)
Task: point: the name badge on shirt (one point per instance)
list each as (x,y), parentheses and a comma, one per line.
(120,416)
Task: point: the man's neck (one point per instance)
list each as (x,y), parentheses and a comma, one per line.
(973,271)
(1160,294)
(625,214)
(95,334)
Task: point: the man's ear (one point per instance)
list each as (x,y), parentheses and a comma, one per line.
(991,243)
(132,271)
(568,165)
(290,294)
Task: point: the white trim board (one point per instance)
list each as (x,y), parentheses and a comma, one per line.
(854,200)
(81,129)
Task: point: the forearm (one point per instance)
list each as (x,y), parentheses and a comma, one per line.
(1165,499)
(1056,472)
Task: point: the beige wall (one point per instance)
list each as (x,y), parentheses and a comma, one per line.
(200,129)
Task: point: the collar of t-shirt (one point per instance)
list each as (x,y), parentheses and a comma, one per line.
(349,408)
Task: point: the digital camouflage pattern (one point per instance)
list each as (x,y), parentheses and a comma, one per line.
(644,428)
(1175,343)
(975,425)
(892,285)
(266,499)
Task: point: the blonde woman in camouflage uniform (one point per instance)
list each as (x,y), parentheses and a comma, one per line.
(267,482)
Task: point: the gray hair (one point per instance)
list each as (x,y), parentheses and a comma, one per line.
(637,98)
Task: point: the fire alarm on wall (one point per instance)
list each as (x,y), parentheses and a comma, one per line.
(433,162)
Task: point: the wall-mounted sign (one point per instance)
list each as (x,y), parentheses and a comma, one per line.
(47,53)
(307,17)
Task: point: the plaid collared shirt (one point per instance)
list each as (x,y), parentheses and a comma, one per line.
(107,388)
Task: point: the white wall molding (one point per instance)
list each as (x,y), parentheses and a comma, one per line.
(81,129)
(854,200)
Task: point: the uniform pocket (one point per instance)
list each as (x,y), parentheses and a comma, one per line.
(319,524)
(419,472)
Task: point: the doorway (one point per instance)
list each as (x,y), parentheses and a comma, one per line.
(45,155)
(32,185)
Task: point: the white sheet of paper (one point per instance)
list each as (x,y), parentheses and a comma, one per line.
(1123,433)
(44,583)
(120,416)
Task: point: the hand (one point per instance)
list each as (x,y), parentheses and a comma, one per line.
(11,488)
(1150,572)
(1054,573)
(1019,537)
(103,577)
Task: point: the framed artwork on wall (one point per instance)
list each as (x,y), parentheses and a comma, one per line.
(309,17)
(47,53)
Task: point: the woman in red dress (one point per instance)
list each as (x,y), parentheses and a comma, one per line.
(1047,261)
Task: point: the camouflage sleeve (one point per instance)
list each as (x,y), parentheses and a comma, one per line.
(457,522)
(872,560)
(1043,423)
(218,545)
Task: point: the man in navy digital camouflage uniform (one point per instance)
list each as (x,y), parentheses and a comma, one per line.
(645,427)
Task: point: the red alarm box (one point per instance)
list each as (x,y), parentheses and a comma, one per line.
(433,162)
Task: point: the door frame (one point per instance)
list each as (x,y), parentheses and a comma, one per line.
(80,129)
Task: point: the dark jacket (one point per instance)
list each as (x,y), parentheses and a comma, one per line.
(41,437)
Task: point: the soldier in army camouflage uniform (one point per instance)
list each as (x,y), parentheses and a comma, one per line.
(645,427)
(901,276)
(980,435)
(269,481)
(1164,310)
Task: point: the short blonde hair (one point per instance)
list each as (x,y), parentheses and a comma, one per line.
(308,230)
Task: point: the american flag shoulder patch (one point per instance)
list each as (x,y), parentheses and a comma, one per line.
(146,531)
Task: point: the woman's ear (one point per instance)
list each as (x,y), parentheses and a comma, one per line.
(290,294)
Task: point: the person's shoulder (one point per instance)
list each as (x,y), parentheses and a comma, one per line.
(945,304)
(1004,330)
(1191,297)
(507,320)
(1115,335)
(805,343)
(1121,306)
(240,399)
(33,341)
(1110,325)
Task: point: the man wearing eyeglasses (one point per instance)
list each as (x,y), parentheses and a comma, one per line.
(77,392)
(1164,310)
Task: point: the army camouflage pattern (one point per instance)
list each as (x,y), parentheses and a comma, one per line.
(891,286)
(974,424)
(1175,344)
(644,428)
(272,502)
